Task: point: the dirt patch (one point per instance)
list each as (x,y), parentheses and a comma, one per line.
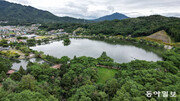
(161,35)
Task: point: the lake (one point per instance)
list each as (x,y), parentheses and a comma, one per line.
(24,63)
(93,48)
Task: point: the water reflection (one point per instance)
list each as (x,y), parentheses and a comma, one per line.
(24,63)
(85,47)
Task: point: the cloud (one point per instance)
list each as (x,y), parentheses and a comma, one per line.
(24,2)
(172,14)
(91,9)
(111,8)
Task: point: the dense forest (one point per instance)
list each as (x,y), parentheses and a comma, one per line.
(77,80)
(136,27)
(19,14)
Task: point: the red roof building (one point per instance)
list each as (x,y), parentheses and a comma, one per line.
(56,66)
(10,72)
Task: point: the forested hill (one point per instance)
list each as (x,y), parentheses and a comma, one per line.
(136,27)
(114,16)
(16,13)
(141,26)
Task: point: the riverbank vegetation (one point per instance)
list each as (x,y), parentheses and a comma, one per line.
(28,53)
(66,41)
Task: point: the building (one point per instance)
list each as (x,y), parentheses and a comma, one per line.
(11,72)
(58,66)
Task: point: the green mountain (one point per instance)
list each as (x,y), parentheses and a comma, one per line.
(135,27)
(16,13)
(114,16)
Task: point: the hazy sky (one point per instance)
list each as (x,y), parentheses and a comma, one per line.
(90,9)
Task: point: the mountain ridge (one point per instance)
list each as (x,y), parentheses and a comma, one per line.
(13,12)
(135,27)
(113,16)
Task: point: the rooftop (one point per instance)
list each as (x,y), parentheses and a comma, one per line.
(57,66)
(11,71)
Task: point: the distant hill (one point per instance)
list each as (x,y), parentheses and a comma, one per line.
(17,13)
(114,16)
(137,27)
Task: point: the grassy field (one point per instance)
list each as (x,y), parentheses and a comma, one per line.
(12,52)
(41,37)
(160,37)
(105,74)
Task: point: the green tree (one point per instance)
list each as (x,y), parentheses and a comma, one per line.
(88,93)
(65,59)
(28,95)
(66,41)
(5,65)
(16,76)
(167,66)
(31,42)
(4,43)
(9,85)
(3,93)
(28,82)
(122,95)
(84,98)
(22,71)
(3,76)
(105,58)
(111,86)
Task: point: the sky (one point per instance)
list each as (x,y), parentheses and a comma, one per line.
(92,9)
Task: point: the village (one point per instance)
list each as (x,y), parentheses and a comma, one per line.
(23,33)
(10,36)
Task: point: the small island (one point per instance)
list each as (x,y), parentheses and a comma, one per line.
(66,41)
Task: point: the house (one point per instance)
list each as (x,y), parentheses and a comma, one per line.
(24,41)
(57,66)
(61,30)
(11,71)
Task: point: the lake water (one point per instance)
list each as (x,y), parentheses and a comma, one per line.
(24,63)
(92,48)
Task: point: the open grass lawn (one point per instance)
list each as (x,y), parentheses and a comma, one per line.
(41,37)
(13,51)
(105,74)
